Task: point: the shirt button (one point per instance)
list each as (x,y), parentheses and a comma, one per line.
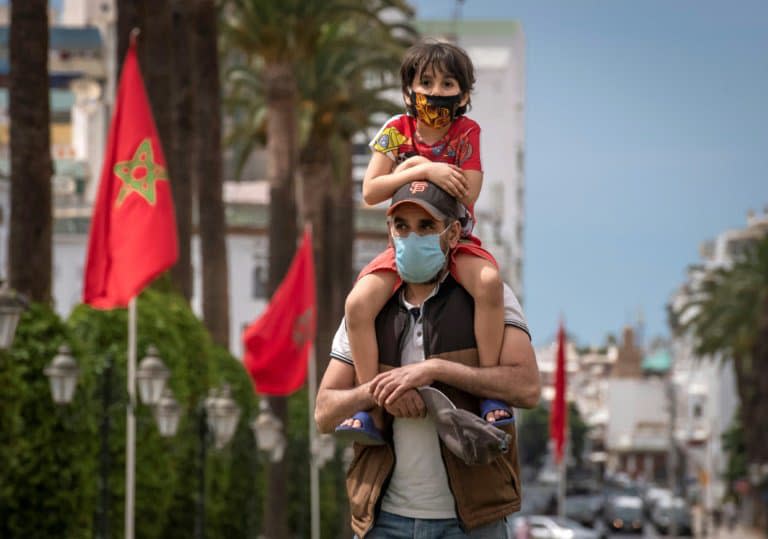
(418,333)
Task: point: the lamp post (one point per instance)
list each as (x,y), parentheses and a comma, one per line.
(218,415)
(12,304)
(62,373)
(268,431)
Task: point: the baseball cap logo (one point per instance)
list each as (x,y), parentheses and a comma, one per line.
(418,187)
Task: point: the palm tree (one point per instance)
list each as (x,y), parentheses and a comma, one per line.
(207,171)
(728,316)
(342,88)
(31,221)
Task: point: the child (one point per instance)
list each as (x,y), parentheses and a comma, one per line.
(434,142)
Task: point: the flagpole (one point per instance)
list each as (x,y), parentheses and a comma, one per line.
(561,472)
(130,423)
(314,472)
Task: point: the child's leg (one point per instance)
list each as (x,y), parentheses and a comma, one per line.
(482,280)
(367,298)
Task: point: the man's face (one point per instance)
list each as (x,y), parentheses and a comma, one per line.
(411,218)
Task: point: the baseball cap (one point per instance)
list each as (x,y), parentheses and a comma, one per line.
(435,201)
(466,435)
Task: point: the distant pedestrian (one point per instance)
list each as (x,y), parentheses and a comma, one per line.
(717,520)
(730,514)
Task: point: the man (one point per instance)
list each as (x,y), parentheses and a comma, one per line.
(412,486)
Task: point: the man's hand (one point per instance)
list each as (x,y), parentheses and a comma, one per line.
(410,404)
(388,386)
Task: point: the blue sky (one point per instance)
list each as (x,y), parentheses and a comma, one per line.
(646,134)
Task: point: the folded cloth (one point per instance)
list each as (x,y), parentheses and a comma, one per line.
(466,435)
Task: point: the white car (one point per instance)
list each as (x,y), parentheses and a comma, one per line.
(546,527)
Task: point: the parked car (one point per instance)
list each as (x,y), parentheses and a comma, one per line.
(624,514)
(672,510)
(654,495)
(585,509)
(548,527)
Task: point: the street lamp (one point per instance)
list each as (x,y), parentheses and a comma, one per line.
(167,414)
(223,416)
(218,414)
(268,431)
(62,372)
(152,376)
(12,304)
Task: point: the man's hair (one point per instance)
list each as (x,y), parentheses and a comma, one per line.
(439,56)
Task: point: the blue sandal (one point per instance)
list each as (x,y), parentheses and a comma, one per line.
(491,405)
(365,434)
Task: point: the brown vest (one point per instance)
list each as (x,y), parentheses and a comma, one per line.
(483,494)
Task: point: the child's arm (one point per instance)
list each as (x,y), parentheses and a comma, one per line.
(381,181)
(474,183)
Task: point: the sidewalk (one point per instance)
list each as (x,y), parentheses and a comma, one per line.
(739,532)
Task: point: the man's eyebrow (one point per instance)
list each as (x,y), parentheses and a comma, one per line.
(427,222)
(398,220)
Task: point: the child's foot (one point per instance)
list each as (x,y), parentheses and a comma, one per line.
(360,429)
(496,412)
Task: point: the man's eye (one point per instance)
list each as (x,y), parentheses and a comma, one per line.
(425,82)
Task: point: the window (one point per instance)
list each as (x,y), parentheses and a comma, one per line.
(259,282)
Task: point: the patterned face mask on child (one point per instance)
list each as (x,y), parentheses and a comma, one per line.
(436,111)
(418,258)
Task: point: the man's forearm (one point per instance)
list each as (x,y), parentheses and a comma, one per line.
(517,385)
(335,405)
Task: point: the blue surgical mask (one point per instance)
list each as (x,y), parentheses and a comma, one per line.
(418,258)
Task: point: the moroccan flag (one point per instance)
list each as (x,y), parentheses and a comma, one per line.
(133,228)
(277,344)
(558,417)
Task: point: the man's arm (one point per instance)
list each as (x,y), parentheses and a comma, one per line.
(338,398)
(515,381)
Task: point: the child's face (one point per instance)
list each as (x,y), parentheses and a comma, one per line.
(435,82)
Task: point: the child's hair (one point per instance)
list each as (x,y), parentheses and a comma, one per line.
(439,56)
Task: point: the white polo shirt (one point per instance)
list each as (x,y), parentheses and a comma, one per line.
(419,484)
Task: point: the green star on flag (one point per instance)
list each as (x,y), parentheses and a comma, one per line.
(140,174)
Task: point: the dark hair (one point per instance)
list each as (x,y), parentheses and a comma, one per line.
(439,56)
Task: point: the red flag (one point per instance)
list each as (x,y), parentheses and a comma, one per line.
(133,228)
(558,417)
(277,344)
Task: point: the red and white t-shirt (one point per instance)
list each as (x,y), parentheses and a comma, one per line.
(459,146)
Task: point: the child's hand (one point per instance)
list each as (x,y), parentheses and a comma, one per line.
(450,177)
(411,162)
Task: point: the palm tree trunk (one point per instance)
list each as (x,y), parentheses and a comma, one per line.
(31,221)
(280,90)
(208,173)
(179,161)
(316,173)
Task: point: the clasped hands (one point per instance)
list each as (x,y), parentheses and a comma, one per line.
(395,389)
